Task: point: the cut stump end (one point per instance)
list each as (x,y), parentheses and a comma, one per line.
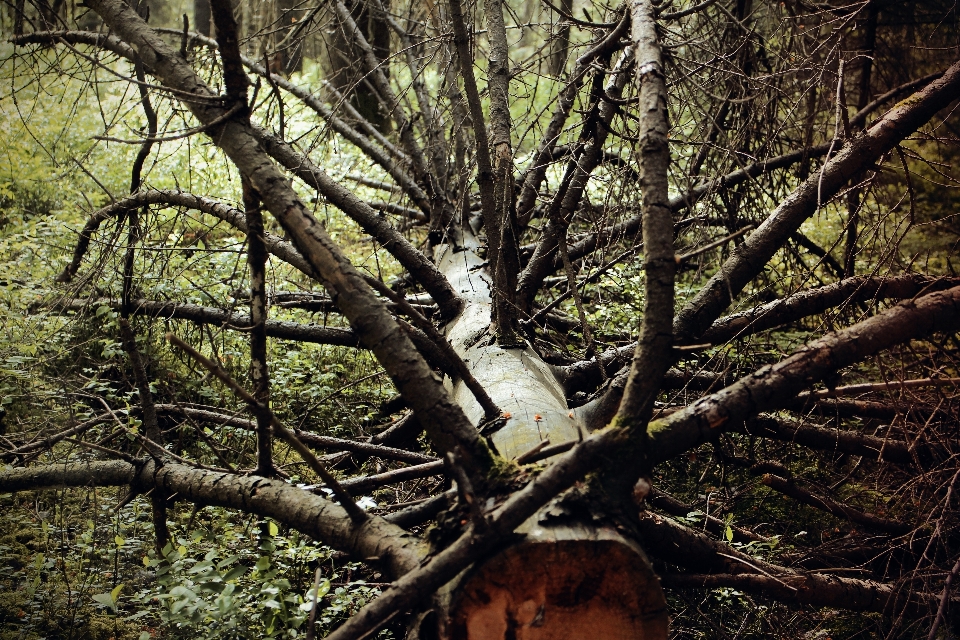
(556,586)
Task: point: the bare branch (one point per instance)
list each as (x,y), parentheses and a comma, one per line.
(285,503)
(772,386)
(861,153)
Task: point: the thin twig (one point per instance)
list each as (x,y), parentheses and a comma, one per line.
(713,245)
(184,134)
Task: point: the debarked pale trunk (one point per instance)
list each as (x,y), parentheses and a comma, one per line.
(566,579)
(518,380)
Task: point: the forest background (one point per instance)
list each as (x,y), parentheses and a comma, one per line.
(746,81)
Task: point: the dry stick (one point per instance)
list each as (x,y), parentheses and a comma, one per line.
(686,257)
(628,228)
(825,258)
(169,454)
(527,456)
(133,233)
(150,423)
(186,133)
(49,441)
(756,568)
(389,157)
(674,15)
(276,94)
(154,439)
(126,457)
(379,154)
(546,452)
(405,429)
(577,21)
(168,310)
(465,491)
(490,410)
(389,453)
(420,513)
(313,439)
(259,371)
(837,509)
(841,408)
(346,501)
(944,597)
(881,386)
(366,483)
(311,623)
(173,198)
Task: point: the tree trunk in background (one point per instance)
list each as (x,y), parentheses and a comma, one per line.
(558,48)
(201,17)
(289,59)
(342,61)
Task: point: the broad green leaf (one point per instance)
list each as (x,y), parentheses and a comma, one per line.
(234,573)
(105,599)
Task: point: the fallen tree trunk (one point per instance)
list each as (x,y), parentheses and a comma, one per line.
(564,579)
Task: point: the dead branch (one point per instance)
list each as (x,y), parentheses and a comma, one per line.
(814,301)
(840,510)
(301,510)
(861,153)
(771,386)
